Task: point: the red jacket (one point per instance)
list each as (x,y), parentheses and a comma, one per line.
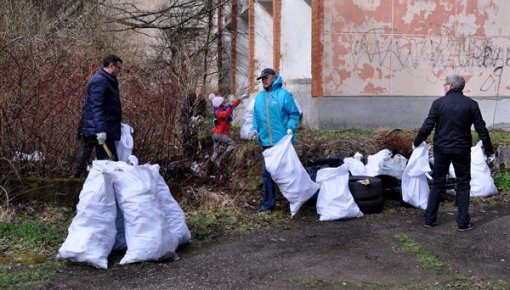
(222,118)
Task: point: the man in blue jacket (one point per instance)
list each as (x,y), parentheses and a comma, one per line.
(275,115)
(102,115)
(452,117)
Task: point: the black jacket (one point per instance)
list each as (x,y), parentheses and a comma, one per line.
(102,110)
(452,117)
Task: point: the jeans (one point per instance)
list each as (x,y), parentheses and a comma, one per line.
(462,166)
(269,200)
(219,139)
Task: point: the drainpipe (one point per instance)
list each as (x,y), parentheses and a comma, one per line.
(219,43)
(233,48)
(277,31)
(317,47)
(251,46)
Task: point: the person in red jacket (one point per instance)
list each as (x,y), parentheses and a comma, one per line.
(222,119)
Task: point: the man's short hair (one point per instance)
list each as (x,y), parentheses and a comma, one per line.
(456,81)
(112,58)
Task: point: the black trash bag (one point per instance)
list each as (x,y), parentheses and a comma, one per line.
(315,164)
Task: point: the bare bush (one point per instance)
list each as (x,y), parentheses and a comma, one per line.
(48,52)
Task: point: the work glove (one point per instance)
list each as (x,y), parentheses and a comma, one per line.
(289,132)
(491,158)
(101,137)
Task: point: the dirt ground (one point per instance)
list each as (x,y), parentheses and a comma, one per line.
(305,253)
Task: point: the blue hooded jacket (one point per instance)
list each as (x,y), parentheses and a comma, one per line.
(102,110)
(274,112)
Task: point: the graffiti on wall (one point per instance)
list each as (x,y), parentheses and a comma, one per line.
(484,58)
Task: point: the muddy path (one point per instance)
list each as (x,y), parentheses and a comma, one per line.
(305,253)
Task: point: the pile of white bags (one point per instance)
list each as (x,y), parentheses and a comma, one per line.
(373,161)
(335,201)
(282,162)
(117,198)
(415,188)
(356,167)
(482,183)
(393,166)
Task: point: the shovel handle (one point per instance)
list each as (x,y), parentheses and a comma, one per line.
(108,152)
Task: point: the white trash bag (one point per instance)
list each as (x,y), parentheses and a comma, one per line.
(356,167)
(482,183)
(247,125)
(174,217)
(147,237)
(92,232)
(335,201)
(125,145)
(282,162)
(373,162)
(415,188)
(393,166)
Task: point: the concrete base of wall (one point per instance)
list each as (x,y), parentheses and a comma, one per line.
(396,112)
(366,112)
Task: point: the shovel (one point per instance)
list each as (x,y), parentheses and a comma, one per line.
(108,152)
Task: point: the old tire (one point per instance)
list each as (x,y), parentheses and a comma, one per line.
(359,191)
(371,206)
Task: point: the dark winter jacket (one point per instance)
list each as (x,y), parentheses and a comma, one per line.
(102,110)
(452,116)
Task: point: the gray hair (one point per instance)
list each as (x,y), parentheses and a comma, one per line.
(456,81)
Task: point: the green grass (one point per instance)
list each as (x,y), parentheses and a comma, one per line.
(497,136)
(408,245)
(207,224)
(454,280)
(502,181)
(25,277)
(27,251)
(32,234)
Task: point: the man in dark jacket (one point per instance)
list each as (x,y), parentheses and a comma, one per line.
(193,112)
(452,116)
(102,115)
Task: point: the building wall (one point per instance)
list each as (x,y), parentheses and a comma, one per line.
(263,40)
(296,54)
(384,61)
(393,47)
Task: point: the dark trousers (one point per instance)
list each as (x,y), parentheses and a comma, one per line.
(85,152)
(462,166)
(190,144)
(269,200)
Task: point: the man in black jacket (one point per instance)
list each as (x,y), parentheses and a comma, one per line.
(452,116)
(102,114)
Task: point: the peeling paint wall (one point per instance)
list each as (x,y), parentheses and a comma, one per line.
(407,47)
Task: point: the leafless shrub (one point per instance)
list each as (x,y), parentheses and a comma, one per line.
(49,51)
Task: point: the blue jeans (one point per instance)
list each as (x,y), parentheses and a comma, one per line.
(462,166)
(269,200)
